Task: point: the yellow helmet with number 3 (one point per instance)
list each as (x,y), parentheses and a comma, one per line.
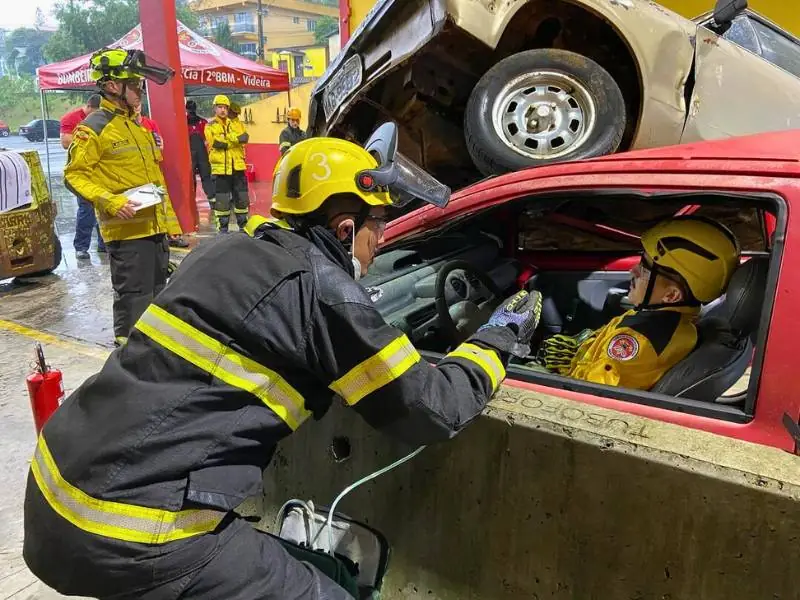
(315,169)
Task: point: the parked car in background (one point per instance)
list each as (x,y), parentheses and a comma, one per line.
(481,88)
(34,131)
(5,130)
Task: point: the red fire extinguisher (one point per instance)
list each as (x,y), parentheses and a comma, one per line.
(46,389)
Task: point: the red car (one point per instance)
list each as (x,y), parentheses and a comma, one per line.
(572,232)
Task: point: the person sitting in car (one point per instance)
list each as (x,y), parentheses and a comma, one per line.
(686,262)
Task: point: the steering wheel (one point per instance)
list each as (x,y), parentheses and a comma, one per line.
(465,298)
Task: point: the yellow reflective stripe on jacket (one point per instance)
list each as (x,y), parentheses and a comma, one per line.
(114,519)
(487,360)
(379,370)
(224,363)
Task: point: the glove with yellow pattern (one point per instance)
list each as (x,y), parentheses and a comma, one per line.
(520,313)
(556,352)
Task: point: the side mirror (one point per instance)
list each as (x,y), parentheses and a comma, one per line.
(725,11)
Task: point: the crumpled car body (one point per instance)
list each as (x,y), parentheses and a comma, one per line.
(419,61)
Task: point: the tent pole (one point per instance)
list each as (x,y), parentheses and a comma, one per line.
(46,144)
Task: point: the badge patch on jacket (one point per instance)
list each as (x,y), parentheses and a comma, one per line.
(623,347)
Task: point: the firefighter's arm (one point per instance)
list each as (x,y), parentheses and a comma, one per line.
(626,352)
(284,143)
(82,158)
(215,137)
(376,370)
(237,136)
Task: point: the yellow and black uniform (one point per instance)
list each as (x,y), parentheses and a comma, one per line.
(225,140)
(289,137)
(635,349)
(240,192)
(110,154)
(135,476)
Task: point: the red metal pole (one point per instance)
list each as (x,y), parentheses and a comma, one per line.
(160,36)
(344,22)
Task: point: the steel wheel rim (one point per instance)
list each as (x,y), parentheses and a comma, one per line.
(544,114)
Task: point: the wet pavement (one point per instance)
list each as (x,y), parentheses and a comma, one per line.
(69,312)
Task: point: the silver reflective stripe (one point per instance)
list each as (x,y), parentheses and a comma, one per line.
(116,520)
(224,363)
(392,361)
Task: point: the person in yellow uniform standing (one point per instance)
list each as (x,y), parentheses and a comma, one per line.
(292,133)
(241,193)
(226,154)
(111,154)
(686,262)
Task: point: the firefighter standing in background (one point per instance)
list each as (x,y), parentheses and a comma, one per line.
(292,133)
(109,155)
(197,146)
(226,154)
(241,193)
(136,478)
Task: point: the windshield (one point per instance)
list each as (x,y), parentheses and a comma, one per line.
(32,123)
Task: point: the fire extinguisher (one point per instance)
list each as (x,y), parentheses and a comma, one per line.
(46,390)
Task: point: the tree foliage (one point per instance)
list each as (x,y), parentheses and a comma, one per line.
(86,25)
(24,50)
(326,26)
(223,37)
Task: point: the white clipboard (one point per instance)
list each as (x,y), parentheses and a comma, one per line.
(145,195)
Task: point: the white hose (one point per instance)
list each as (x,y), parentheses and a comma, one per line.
(350,488)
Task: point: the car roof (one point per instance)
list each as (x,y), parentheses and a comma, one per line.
(763,152)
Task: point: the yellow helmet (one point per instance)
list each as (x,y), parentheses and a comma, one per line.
(315,169)
(235,108)
(294,113)
(221,100)
(704,253)
(115,63)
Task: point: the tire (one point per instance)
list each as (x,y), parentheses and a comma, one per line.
(582,112)
(57,255)
(5,133)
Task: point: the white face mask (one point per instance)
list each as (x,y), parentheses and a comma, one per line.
(356,262)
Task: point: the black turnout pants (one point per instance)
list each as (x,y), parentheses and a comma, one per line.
(138,274)
(201,166)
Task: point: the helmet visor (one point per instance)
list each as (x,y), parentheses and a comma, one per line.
(139,64)
(413,182)
(404,179)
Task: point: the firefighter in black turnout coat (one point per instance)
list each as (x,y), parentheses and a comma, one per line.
(134,480)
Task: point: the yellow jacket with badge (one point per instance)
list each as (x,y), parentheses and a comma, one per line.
(110,154)
(225,148)
(635,349)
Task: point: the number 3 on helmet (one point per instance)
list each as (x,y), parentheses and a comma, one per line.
(315,169)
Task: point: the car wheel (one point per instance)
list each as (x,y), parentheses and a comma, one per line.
(4,133)
(57,255)
(542,106)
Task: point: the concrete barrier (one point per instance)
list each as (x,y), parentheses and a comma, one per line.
(548,498)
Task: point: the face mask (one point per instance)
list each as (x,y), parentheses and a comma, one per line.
(356,262)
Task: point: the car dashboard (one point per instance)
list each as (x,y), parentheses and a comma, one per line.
(402,281)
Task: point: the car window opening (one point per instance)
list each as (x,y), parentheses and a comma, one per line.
(578,249)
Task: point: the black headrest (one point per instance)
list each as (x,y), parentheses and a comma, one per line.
(745,296)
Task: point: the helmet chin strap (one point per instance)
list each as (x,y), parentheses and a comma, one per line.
(646,303)
(119,97)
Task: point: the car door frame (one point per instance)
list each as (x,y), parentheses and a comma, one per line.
(722,69)
(773,364)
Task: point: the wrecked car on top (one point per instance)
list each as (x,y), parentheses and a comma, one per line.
(505,85)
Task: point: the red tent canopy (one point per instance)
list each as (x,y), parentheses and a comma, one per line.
(207,68)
